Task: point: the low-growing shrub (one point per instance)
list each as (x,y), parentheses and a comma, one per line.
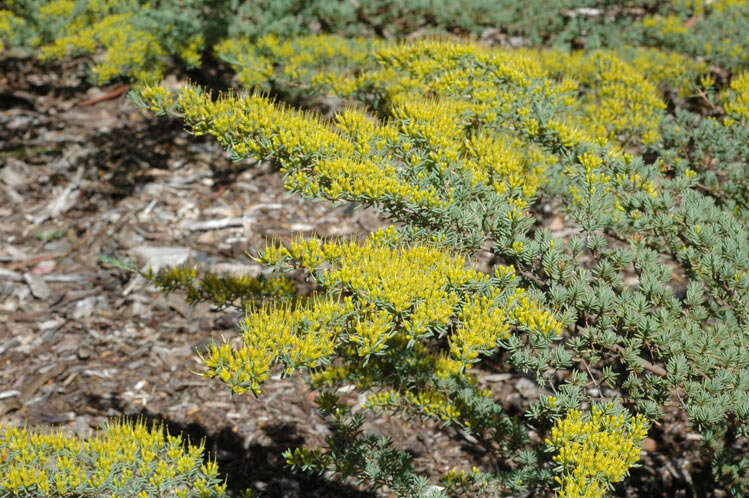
(455,143)
(122,459)
(138,38)
(124,37)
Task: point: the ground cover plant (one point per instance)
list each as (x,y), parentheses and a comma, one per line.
(132,459)
(641,312)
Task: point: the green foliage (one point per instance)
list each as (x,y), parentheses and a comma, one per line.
(123,459)
(715,31)
(369,459)
(711,152)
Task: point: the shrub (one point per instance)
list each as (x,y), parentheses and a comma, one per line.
(125,37)
(123,459)
(714,31)
(455,143)
(137,39)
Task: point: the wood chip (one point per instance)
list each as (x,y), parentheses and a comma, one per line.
(39,289)
(234,221)
(10,275)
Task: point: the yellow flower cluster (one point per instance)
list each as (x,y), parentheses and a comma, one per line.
(446,366)
(617,101)
(472,85)
(434,404)
(429,58)
(724,17)
(415,286)
(736,98)
(123,458)
(158,97)
(505,163)
(595,450)
(253,124)
(126,50)
(667,25)
(302,337)
(432,126)
(441,103)
(303,57)
(428,403)
(455,477)
(666,69)
(418,285)
(318,160)
(10,26)
(57,8)
(388,398)
(190,52)
(114,33)
(392,299)
(481,325)
(530,315)
(430,131)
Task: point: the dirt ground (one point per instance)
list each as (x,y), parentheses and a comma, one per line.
(84,174)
